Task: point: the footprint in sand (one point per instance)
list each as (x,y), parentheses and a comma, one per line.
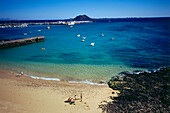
(86,107)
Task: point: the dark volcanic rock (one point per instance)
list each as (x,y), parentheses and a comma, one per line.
(140,92)
(82,17)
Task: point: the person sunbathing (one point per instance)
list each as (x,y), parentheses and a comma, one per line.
(72,101)
(69,99)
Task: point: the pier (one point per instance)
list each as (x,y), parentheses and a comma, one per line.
(26,24)
(19,42)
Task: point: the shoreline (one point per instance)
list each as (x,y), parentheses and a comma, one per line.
(79,81)
(25,94)
(89,82)
(96,73)
(59,80)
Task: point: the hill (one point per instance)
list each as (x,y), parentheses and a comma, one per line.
(82,17)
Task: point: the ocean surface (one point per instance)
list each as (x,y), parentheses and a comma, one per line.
(125,46)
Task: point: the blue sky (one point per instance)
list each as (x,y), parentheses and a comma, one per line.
(64,9)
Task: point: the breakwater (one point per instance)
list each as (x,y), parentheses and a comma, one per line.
(26,24)
(19,42)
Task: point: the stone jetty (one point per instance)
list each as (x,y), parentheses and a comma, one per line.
(19,42)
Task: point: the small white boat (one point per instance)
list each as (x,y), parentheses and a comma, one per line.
(92,44)
(78,35)
(71,23)
(38,30)
(25,33)
(102,34)
(83,40)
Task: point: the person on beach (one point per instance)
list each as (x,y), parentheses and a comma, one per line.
(81,97)
(69,99)
(75,97)
(22,73)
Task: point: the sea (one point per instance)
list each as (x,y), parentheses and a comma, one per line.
(119,45)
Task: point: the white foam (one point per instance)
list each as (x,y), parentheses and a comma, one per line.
(87,82)
(147,71)
(56,79)
(155,71)
(139,72)
(43,78)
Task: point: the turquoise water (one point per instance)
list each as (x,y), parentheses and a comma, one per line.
(136,45)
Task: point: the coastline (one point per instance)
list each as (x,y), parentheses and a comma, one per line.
(73,73)
(25,94)
(58,72)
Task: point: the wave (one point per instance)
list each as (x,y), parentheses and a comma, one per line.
(87,82)
(43,78)
(57,79)
(120,75)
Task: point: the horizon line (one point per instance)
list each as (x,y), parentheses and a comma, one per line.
(8,19)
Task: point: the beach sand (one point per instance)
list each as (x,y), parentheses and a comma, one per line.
(27,95)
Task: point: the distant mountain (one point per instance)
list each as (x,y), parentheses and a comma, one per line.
(82,17)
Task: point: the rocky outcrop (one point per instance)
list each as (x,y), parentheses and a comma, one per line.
(140,91)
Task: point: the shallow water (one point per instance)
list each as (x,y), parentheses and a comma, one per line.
(135,45)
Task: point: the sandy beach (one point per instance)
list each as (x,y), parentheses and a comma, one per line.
(27,95)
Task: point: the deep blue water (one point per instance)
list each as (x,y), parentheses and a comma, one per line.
(136,45)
